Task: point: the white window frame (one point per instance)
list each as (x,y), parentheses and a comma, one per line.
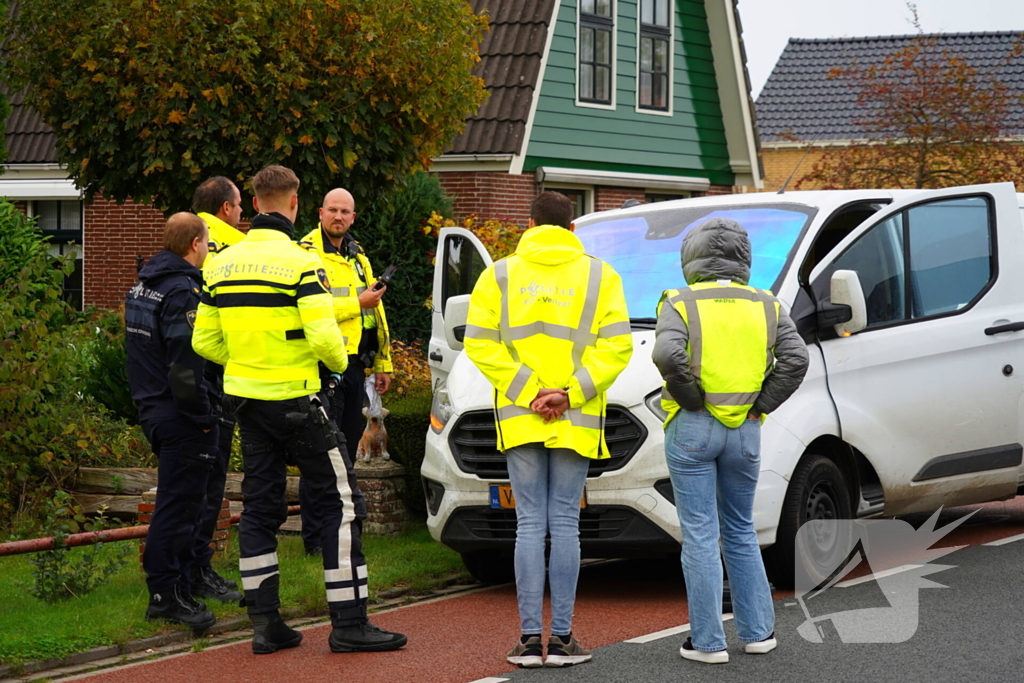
(671,62)
(614,57)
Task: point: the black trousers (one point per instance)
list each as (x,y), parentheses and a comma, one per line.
(297,431)
(214,495)
(346,409)
(186,461)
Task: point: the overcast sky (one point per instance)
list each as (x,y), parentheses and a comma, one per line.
(769,24)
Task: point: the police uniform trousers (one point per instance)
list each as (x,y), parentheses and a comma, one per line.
(298,432)
(346,409)
(214,495)
(187,460)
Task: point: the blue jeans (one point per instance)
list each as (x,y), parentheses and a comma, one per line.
(547,484)
(714,473)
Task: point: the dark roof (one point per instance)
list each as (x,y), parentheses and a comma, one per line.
(510,58)
(28,139)
(799,98)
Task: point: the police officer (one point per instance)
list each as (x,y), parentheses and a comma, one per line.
(360,315)
(166,380)
(729,354)
(548,328)
(266,314)
(219,203)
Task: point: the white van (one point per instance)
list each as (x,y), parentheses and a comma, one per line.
(912,400)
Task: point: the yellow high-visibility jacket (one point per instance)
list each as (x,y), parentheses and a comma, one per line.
(222,236)
(550,316)
(266,315)
(346,286)
(732,331)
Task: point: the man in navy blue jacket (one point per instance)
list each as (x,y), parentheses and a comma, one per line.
(175,410)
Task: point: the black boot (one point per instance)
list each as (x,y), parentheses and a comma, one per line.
(271,634)
(177,609)
(364,637)
(206,583)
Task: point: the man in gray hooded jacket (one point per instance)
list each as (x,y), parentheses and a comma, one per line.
(728,354)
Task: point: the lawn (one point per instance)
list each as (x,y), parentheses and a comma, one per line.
(113,614)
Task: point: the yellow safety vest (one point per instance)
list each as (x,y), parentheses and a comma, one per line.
(266,315)
(346,286)
(222,236)
(732,330)
(550,316)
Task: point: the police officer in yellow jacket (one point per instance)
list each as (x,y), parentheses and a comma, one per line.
(219,203)
(363,324)
(548,327)
(266,314)
(729,354)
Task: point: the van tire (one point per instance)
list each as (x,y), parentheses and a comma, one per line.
(490,566)
(817,491)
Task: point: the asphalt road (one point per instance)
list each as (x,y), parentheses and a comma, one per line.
(969,631)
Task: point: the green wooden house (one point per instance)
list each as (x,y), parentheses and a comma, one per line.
(605,100)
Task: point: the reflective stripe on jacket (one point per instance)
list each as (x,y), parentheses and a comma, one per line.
(732,331)
(550,316)
(346,287)
(266,314)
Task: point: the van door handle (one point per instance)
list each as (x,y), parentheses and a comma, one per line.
(1008,327)
(434,355)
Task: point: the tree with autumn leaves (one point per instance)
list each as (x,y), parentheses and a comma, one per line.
(930,120)
(149,97)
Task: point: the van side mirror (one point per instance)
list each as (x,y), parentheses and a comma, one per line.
(846,292)
(456,310)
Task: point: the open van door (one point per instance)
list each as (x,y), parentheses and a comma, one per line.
(460,259)
(930,389)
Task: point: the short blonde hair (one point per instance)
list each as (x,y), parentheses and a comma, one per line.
(275,183)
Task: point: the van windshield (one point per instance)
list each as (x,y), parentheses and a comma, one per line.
(644,246)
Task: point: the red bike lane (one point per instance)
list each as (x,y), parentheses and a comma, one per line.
(465,638)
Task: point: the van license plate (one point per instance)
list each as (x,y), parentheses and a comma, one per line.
(502,498)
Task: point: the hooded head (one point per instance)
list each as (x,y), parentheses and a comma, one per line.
(717,249)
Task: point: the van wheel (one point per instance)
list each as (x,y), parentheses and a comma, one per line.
(490,566)
(818,495)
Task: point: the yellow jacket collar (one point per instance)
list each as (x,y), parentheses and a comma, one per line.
(549,245)
(220,226)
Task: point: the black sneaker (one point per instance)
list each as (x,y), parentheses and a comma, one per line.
(364,637)
(206,583)
(174,608)
(271,634)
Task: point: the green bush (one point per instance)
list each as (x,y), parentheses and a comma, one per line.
(407,427)
(20,240)
(391,231)
(106,366)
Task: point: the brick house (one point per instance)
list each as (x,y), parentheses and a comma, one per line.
(800,100)
(604,100)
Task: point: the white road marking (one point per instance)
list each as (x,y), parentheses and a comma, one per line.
(877,575)
(668,632)
(490,680)
(1008,539)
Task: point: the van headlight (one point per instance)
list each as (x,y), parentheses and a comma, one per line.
(653,403)
(441,409)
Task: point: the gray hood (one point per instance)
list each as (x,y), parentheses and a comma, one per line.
(717,249)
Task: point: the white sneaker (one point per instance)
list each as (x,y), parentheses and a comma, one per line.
(762,647)
(687,651)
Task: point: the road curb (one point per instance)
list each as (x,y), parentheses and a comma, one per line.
(226,630)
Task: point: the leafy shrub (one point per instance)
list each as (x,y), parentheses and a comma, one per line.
(20,240)
(407,427)
(391,231)
(57,574)
(105,376)
(412,372)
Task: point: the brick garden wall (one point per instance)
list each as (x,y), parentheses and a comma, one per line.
(113,237)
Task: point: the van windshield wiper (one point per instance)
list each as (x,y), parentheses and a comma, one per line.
(643,323)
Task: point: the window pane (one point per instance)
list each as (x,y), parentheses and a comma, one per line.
(647,11)
(463,266)
(660,55)
(950,254)
(660,92)
(587,45)
(645,89)
(603,49)
(602,85)
(586,82)
(646,54)
(587,6)
(662,18)
(604,8)
(71,215)
(877,258)
(48,215)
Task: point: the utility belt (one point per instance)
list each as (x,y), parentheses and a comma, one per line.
(313,429)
